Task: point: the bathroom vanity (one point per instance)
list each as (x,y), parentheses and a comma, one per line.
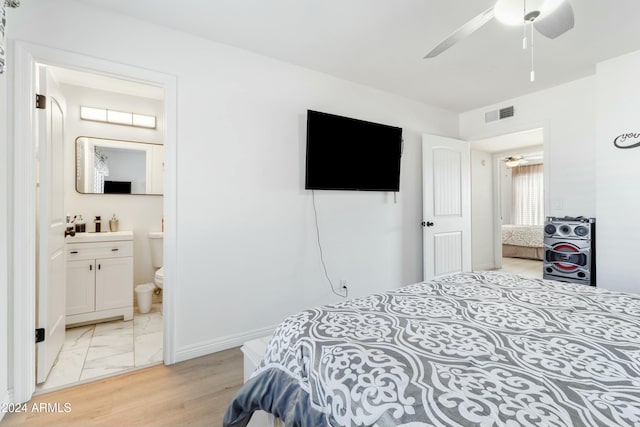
(99,276)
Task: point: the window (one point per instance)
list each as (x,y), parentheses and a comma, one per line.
(528,195)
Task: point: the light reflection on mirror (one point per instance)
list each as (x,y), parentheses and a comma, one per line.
(108,166)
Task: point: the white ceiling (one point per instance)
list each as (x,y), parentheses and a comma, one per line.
(381,43)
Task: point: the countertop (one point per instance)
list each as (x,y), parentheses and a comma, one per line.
(107,236)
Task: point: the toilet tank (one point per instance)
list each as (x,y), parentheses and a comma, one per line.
(155,241)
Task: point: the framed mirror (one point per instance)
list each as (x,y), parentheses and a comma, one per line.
(110,166)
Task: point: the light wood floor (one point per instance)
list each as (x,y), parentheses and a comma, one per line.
(191,393)
(524,267)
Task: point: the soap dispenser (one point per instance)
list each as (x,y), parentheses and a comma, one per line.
(98,223)
(113,223)
(81,226)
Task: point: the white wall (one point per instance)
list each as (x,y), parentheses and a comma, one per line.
(506,192)
(618,173)
(481,211)
(4,297)
(247,255)
(567,114)
(139,213)
(128,165)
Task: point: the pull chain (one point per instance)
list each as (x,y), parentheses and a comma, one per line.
(528,19)
(532,77)
(524,27)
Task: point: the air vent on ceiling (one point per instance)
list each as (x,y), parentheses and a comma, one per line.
(506,112)
(503,113)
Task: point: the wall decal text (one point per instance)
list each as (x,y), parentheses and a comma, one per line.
(627,140)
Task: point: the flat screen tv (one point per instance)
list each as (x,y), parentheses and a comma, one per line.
(117,187)
(350,154)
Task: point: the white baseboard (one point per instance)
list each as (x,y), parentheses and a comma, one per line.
(213,346)
(483,267)
(5,397)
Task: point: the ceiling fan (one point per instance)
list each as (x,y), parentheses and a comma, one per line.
(513,161)
(551,18)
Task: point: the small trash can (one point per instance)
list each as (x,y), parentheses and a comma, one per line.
(144,293)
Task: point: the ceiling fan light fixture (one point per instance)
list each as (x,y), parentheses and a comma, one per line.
(549,6)
(551,18)
(510,12)
(514,161)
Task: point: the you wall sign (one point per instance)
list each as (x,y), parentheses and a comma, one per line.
(627,140)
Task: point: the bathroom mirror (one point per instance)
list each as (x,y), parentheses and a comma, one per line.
(109,166)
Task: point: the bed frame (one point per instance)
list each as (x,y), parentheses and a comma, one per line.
(513,251)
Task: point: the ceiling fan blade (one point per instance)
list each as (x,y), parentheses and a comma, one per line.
(462,32)
(557,23)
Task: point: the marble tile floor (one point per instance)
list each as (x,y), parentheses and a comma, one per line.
(105,349)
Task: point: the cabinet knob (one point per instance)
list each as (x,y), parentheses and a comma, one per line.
(115,250)
(90,267)
(73,252)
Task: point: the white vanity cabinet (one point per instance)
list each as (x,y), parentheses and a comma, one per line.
(99,276)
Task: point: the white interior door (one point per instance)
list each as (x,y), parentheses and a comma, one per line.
(446,206)
(51,225)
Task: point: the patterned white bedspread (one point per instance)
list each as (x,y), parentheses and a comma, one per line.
(523,235)
(474,349)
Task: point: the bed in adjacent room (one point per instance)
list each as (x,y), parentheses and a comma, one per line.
(523,241)
(468,349)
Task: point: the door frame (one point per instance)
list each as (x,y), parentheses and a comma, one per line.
(22,214)
(496,191)
(497,194)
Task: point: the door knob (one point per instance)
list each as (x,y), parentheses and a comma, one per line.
(427,224)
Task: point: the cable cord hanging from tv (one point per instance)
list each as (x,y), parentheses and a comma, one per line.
(315,213)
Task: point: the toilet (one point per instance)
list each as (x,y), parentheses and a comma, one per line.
(155,241)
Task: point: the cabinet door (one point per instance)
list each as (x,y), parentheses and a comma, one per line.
(81,287)
(114,283)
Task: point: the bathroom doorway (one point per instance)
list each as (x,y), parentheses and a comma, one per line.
(107,334)
(27,58)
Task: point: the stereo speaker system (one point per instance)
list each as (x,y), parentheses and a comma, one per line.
(570,250)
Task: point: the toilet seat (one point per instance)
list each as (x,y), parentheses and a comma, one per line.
(159,277)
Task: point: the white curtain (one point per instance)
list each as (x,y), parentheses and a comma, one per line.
(528,195)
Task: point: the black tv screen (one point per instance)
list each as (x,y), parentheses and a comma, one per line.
(117,187)
(351,154)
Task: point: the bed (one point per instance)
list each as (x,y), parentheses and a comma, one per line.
(523,241)
(468,349)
